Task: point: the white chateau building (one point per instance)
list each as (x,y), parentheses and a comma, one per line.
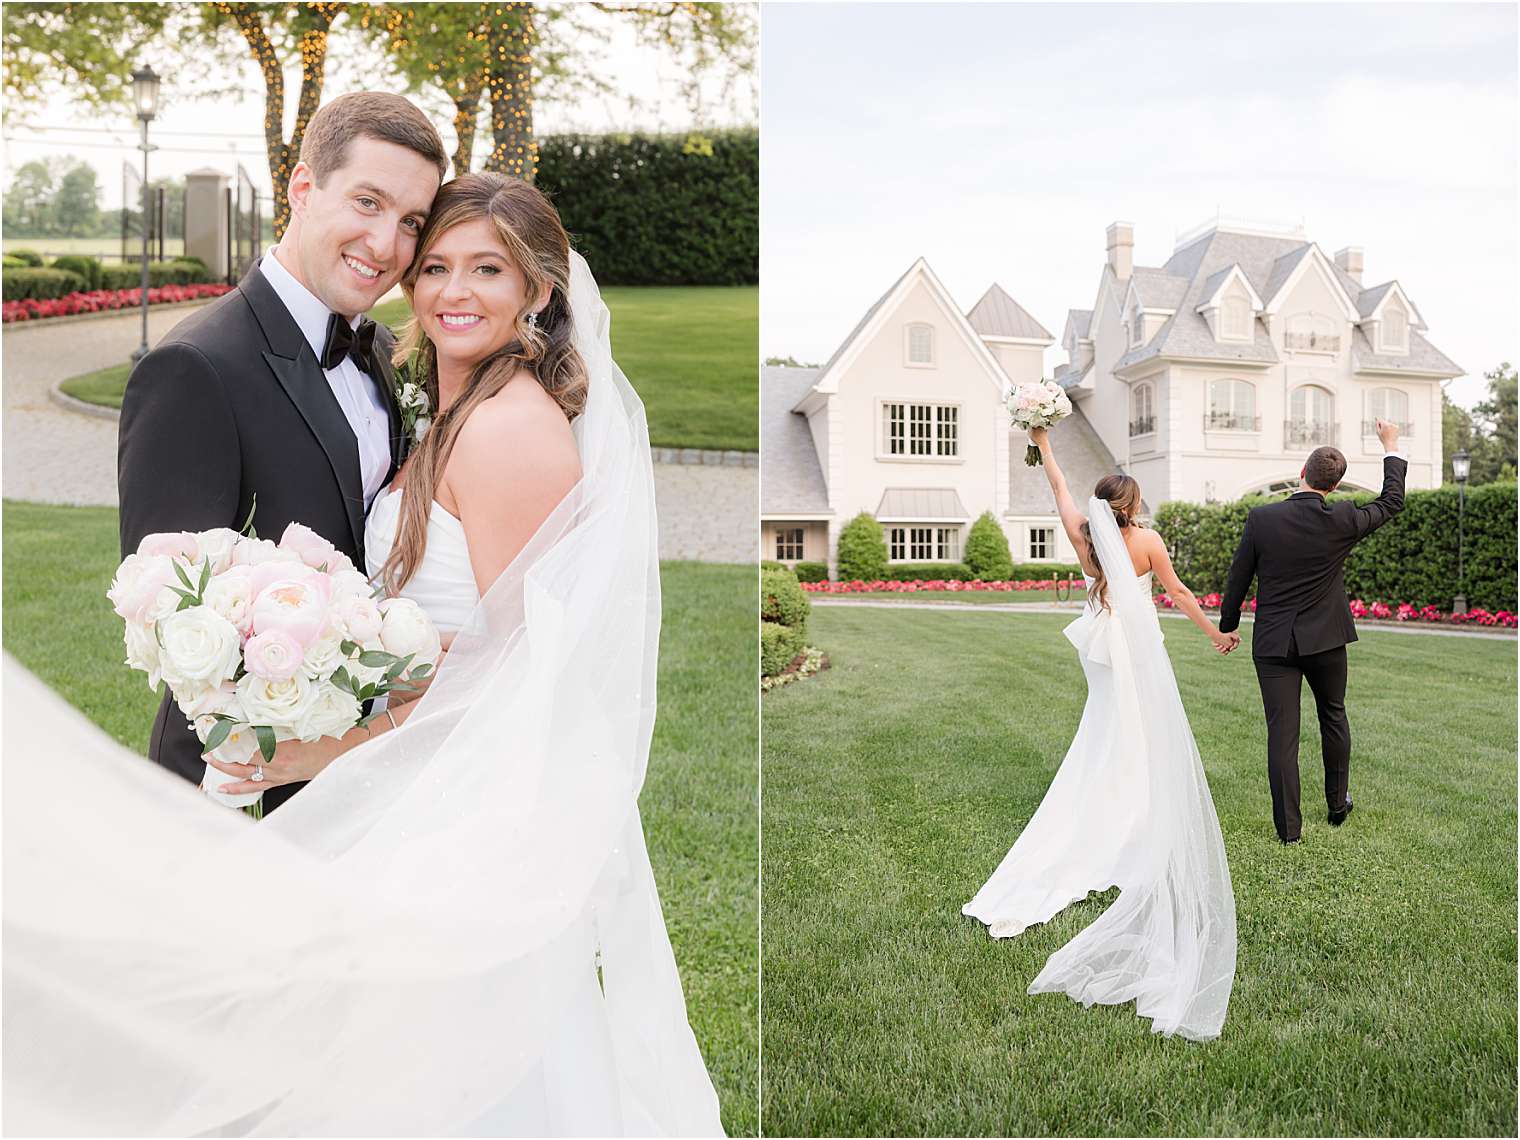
(1210,377)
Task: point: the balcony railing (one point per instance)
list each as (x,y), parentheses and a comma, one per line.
(1143,426)
(1228,421)
(1312,342)
(1311,433)
(1369,427)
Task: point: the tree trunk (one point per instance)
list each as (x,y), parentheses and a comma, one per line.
(466,99)
(510,73)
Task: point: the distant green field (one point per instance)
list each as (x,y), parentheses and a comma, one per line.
(107,248)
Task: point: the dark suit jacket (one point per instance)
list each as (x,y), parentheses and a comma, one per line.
(233,404)
(1296,550)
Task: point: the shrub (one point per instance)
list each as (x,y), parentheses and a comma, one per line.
(768,564)
(27,257)
(782,600)
(659,209)
(812,572)
(1412,558)
(1041,571)
(928,571)
(129,275)
(87,267)
(987,553)
(10,262)
(39,284)
(779,646)
(862,550)
(200,270)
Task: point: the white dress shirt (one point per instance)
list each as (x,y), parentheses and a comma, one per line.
(357,394)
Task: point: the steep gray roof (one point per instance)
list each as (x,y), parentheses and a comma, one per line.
(1084,460)
(1157,288)
(791,480)
(1282,269)
(998,314)
(1423,357)
(1081,321)
(1371,298)
(1069,375)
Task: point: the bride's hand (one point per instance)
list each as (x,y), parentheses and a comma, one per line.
(1038,436)
(1224,642)
(400,697)
(293,763)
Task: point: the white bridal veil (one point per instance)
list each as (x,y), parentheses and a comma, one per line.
(1168,941)
(387,953)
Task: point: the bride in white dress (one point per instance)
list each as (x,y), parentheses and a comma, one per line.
(453,929)
(1129,806)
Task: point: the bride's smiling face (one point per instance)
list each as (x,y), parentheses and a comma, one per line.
(469,293)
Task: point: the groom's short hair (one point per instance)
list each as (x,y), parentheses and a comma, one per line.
(1325,469)
(368,114)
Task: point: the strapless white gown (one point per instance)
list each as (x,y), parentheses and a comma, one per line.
(573,1090)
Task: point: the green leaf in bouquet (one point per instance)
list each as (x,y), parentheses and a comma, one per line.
(364,720)
(398,667)
(420,672)
(369,693)
(186,601)
(247,528)
(347,648)
(205,578)
(183,577)
(266,741)
(376,659)
(218,734)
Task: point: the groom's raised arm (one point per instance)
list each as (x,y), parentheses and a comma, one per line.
(177,459)
(1242,570)
(1390,502)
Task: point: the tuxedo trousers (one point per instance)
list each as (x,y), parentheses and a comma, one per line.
(1281,680)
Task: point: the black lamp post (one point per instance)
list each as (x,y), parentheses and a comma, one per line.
(1461,465)
(145,96)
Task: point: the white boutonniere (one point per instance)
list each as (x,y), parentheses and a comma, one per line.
(412,402)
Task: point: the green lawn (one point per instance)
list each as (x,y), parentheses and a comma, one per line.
(1376,987)
(699,803)
(969,597)
(690,354)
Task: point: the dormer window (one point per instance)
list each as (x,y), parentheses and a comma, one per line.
(1136,329)
(1235,319)
(920,346)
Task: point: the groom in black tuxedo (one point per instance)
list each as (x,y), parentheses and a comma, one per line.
(279,392)
(1295,549)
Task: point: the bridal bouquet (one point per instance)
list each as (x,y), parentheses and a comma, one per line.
(1042,404)
(261,642)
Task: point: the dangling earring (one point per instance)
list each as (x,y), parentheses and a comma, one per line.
(533,320)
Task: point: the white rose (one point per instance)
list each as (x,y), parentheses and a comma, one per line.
(324,655)
(331,712)
(359,618)
(407,631)
(230,594)
(199,647)
(350,584)
(239,747)
(142,651)
(200,707)
(217,544)
(279,704)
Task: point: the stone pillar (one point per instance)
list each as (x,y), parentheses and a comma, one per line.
(206,219)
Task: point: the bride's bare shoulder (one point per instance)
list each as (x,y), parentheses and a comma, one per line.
(519,428)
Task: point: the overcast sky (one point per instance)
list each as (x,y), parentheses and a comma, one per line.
(998,141)
(192,132)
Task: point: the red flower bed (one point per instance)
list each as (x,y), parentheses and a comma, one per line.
(915,587)
(104,300)
(1382,611)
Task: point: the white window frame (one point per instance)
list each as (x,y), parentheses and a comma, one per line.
(1386,340)
(908,331)
(1389,396)
(784,542)
(923,542)
(1235,317)
(1148,390)
(1311,332)
(1048,541)
(1233,407)
(923,432)
(1136,329)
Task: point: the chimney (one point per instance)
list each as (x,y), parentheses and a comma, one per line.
(1121,249)
(1349,262)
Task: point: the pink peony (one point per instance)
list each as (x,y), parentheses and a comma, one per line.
(140,591)
(312,548)
(296,608)
(182,545)
(273,655)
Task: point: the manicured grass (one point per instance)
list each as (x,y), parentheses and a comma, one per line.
(699,803)
(690,354)
(970,597)
(1376,987)
(107,249)
(104,387)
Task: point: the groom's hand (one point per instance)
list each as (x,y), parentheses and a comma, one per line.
(1389,434)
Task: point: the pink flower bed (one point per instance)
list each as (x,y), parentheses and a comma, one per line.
(104,300)
(1382,611)
(915,587)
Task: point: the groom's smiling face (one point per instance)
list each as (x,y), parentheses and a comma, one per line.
(358,230)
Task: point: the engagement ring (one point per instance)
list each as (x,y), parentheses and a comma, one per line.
(258,773)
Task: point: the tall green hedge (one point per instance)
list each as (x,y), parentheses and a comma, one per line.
(644,209)
(1412,558)
(39,284)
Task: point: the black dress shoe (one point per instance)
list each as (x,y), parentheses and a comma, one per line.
(1339,817)
(1290,842)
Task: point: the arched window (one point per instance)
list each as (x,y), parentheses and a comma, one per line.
(1311,412)
(1142,419)
(920,344)
(1395,327)
(1235,319)
(1232,406)
(1389,404)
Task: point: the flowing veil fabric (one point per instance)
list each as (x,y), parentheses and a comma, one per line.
(388,953)
(1131,808)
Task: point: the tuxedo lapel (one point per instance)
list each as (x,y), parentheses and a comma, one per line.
(299,373)
(384,376)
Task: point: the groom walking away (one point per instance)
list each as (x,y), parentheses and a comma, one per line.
(1295,549)
(278,391)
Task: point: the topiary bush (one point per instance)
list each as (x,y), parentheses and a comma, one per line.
(987,553)
(27,257)
(1412,558)
(779,646)
(87,267)
(1040,571)
(782,600)
(927,571)
(862,550)
(812,572)
(39,284)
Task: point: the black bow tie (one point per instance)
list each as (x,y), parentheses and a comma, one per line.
(345,341)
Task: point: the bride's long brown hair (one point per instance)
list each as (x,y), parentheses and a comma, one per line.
(535,239)
(1123,495)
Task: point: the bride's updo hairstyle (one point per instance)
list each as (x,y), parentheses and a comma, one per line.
(535,239)
(1123,495)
